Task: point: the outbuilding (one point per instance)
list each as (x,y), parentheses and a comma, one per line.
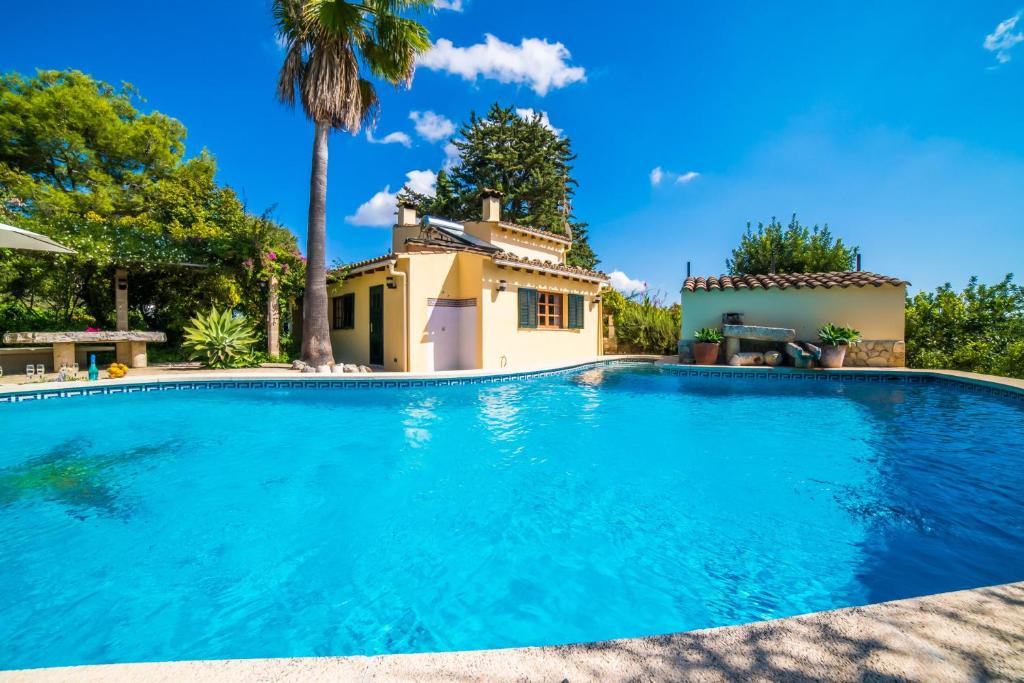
(478,294)
(871,303)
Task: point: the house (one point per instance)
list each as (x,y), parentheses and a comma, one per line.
(870,303)
(484,294)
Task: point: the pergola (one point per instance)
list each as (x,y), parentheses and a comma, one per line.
(130,346)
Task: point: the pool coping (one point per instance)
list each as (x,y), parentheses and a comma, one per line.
(290,379)
(969,635)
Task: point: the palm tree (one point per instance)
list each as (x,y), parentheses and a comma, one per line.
(329,46)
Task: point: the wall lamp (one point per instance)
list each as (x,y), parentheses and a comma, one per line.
(122,283)
(597,299)
(390,281)
(502,285)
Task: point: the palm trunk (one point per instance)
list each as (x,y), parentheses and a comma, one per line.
(273,318)
(316,336)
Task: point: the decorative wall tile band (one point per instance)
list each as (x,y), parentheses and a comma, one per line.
(757,375)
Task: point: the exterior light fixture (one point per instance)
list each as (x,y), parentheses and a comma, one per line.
(122,283)
(390,281)
(502,285)
(597,299)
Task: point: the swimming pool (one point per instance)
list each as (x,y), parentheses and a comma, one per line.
(607,502)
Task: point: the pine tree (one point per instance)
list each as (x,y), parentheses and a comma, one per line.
(525,160)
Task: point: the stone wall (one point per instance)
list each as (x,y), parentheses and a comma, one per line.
(876,353)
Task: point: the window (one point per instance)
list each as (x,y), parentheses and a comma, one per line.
(549,309)
(344,311)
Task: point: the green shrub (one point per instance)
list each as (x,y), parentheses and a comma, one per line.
(642,323)
(219,340)
(708,335)
(836,335)
(980,329)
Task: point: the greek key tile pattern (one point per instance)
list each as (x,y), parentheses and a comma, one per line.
(754,375)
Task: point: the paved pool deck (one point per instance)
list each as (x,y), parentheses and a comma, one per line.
(965,636)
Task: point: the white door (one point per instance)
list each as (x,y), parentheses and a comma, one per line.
(451,334)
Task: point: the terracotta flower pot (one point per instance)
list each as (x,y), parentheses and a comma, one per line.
(705,353)
(832,356)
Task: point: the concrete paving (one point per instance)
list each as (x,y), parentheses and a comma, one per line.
(972,635)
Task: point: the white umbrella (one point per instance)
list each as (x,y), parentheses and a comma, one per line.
(16,238)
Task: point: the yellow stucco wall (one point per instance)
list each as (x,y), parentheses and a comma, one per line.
(518,243)
(877,312)
(353,346)
(463,275)
(505,345)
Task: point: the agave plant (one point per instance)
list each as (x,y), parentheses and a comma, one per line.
(836,335)
(218,339)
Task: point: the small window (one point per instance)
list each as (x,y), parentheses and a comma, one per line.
(549,309)
(344,312)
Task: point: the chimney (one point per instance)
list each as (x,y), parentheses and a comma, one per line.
(406,214)
(491,205)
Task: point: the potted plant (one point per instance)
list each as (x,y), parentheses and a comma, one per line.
(834,341)
(705,346)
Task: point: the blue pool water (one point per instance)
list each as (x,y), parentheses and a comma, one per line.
(605,503)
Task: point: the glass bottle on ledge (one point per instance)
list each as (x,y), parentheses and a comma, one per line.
(94,372)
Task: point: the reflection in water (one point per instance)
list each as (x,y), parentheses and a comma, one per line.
(70,475)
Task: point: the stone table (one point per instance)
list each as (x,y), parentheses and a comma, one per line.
(734,333)
(131,346)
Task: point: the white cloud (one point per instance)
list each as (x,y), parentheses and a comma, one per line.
(453,5)
(659,174)
(534,62)
(626,284)
(422,182)
(398,137)
(527,114)
(1003,39)
(452,157)
(379,210)
(431,126)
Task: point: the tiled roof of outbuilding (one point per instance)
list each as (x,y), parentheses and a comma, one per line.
(506,258)
(540,232)
(843,279)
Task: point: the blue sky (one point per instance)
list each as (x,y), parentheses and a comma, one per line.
(899,124)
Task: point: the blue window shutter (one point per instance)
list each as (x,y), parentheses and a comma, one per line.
(527,308)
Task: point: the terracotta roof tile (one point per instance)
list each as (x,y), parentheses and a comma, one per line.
(558,237)
(843,279)
(348,267)
(508,258)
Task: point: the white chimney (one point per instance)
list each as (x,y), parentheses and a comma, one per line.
(491,205)
(406,214)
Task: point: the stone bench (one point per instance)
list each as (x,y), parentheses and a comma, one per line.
(130,346)
(734,333)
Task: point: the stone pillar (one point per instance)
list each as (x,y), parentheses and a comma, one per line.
(273,318)
(124,352)
(732,347)
(121,301)
(137,355)
(63,354)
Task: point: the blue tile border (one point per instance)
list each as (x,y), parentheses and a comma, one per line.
(749,374)
(874,377)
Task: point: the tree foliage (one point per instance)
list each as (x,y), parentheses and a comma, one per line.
(980,329)
(642,323)
(80,163)
(795,249)
(522,158)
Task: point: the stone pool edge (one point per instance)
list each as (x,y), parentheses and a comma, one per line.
(968,635)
